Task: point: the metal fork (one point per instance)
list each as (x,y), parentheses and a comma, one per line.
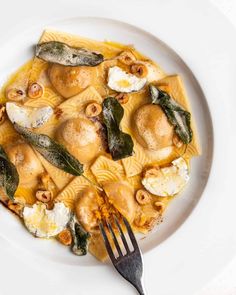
(129,265)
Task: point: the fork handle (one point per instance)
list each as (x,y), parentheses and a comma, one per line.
(141,292)
(139,288)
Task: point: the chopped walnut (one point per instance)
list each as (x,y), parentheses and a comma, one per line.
(126,57)
(123,98)
(15,94)
(142,197)
(93,109)
(140,70)
(151,172)
(65,237)
(159,206)
(58,112)
(46,184)
(35,90)
(44,196)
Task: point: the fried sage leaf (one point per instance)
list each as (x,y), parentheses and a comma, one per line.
(176,115)
(61,53)
(9,178)
(120,144)
(52,151)
(80,237)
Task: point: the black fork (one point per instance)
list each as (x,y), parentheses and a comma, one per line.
(130,264)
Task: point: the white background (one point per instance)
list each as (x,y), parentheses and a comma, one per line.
(224,283)
(29,12)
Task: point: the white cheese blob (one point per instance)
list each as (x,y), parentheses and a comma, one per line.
(121,81)
(45,223)
(28,117)
(169,181)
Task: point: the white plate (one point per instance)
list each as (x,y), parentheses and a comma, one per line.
(198,239)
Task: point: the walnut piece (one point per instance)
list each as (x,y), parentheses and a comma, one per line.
(93,109)
(58,113)
(140,70)
(126,57)
(65,237)
(151,172)
(123,98)
(142,197)
(44,196)
(159,206)
(35,90)
(15,94)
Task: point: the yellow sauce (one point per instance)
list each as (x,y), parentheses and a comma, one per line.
(103,169)
(21,75)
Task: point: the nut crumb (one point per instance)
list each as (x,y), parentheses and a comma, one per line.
(142,197)
(151,172)
(123,98)
(126,57)
(44,196)
(159,206)
(93,109)
(140,70)
(35,90)
(65,237)
(58,113)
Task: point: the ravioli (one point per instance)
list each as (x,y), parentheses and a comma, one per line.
(40,67)
(68,109)
(29,166)
(119,180)
(9,139)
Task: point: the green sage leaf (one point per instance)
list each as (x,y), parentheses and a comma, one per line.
(9,178)
(61,53)
(120,144)
(177,116)
(52,151)
(80,237)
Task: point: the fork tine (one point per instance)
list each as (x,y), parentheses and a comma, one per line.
(131,234)
(114,238)
(107,243)
(122,235)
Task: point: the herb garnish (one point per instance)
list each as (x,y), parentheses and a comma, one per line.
(52,151)
(61,53)
(80,237)
(120,144)
(9,178)
(176,115)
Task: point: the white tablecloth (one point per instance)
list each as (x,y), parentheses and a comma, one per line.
(224,283)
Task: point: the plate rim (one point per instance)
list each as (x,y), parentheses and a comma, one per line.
(117,22)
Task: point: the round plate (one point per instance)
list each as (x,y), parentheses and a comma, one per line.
(181,206)
(173,259)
